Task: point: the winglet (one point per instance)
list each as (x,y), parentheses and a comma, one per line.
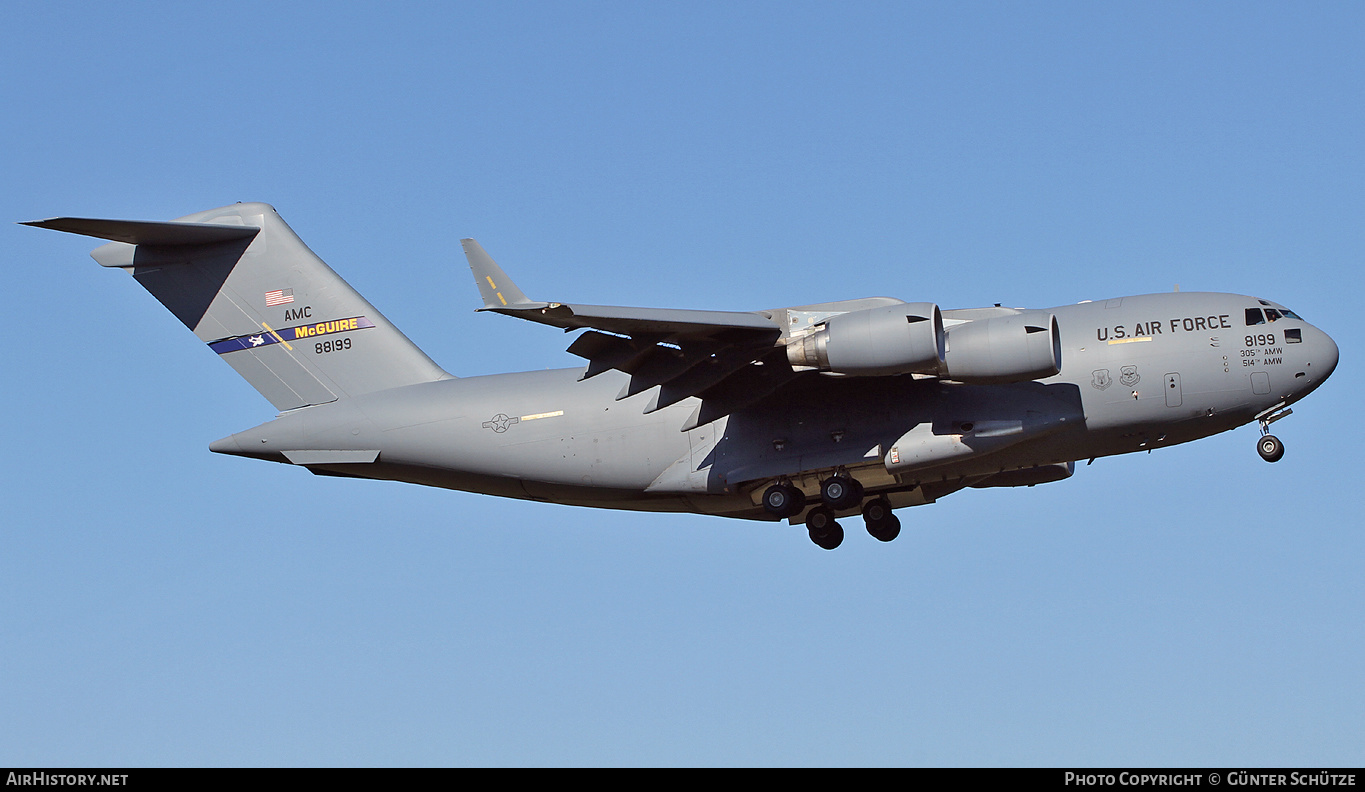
(497,290)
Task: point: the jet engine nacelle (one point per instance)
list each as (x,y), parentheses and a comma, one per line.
(1024,346)
(893,339)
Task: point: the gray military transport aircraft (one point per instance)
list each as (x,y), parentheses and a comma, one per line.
(808,413)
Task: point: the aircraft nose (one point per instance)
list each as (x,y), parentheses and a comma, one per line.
(1326,356)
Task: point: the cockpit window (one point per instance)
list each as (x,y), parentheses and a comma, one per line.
(1290,314)
(1272,315)
(1254,317)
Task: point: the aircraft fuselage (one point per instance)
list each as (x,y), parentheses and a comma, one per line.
(1138,373)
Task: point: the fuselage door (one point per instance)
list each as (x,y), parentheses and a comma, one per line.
(1172,388)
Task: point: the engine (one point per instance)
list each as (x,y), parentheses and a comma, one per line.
(1017,348)
(893,339)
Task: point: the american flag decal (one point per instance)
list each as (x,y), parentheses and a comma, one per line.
(279,297)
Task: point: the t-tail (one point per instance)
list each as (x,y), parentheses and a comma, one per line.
(248,287)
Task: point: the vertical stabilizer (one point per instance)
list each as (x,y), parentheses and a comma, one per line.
(244,282)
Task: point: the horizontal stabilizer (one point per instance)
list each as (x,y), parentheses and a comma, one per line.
(142,232)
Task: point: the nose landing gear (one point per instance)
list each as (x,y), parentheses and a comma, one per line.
(1269,446)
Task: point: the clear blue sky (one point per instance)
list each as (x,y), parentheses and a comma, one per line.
(163,605)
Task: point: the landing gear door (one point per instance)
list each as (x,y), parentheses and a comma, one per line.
(1172,388)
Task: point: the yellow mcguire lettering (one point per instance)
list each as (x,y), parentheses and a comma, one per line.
(324,328)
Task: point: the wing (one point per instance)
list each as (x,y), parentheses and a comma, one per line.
(728,359)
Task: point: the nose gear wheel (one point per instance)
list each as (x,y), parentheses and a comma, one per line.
(1270,448)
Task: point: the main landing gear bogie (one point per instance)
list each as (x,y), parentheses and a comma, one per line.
(839,492)
(825,531)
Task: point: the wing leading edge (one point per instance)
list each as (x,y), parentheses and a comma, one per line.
(728,359)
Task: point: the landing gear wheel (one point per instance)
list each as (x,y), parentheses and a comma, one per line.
(876,511)
(881,522)
(783,500)
(823,530)
(830,540)
(887,530)
(1270,448)
(840,492)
